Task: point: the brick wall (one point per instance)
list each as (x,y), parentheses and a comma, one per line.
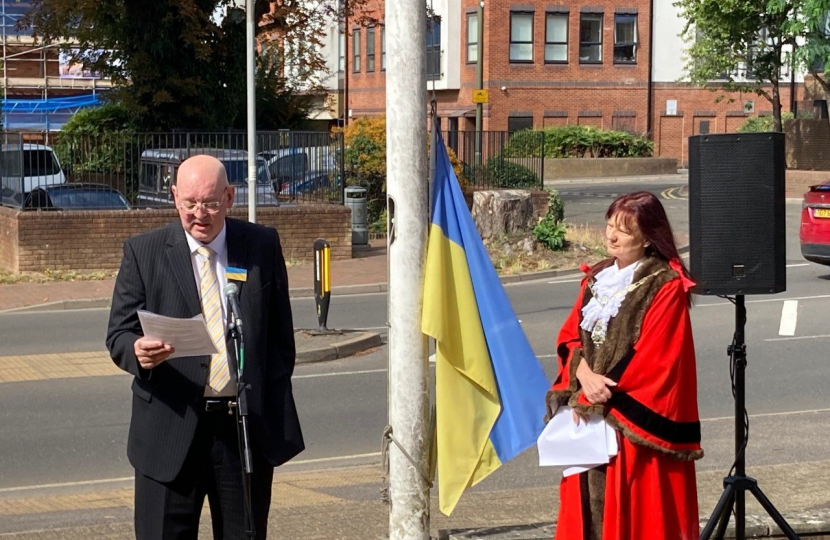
(94,240)
(8,239)
(808,144)
(563,94)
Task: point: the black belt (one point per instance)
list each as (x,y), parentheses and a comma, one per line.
(220,405)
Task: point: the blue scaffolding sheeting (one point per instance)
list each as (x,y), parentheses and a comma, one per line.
(44,114)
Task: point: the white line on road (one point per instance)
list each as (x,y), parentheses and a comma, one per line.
(789,318)
(354,456)
(766,301)
(799,337)
(797,265)
(315,375)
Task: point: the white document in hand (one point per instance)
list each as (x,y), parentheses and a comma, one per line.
(579,447)
(190,337)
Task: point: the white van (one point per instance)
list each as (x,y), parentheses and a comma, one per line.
(27,167)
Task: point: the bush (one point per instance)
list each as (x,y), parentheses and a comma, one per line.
(578,141)
(96,140)
(550,232)
(755,124)
(500,173)
(365,162)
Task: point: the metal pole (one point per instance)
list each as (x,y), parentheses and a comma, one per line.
(406,168)
(479,77)
(251,87)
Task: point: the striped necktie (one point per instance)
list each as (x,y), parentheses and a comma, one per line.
(212,310)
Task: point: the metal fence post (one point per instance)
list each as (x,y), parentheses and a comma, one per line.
(542,159)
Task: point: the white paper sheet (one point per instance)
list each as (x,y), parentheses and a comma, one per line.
(190,337)
(577,447)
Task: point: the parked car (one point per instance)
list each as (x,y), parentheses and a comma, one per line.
(26,167)
(78,196)
(815,224)
(298,171)
(158,169)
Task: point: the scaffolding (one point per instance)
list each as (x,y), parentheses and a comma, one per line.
(36,82)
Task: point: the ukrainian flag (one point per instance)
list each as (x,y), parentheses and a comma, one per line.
(490,388)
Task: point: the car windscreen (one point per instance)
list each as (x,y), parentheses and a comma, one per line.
(87,198)
(39,163)
(237,170)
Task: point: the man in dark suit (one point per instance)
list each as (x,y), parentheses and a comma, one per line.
(183,438)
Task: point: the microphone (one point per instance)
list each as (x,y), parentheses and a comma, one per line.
(232,292)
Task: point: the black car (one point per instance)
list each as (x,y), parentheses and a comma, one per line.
(76,197)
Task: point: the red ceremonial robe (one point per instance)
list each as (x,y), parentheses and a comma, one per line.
(648,490)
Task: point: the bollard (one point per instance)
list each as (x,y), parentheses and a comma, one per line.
(322,281)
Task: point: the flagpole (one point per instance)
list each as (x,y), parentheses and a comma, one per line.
(407,199)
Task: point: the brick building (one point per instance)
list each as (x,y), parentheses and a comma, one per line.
(605,63)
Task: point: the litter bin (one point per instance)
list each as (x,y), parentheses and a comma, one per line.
(356,201)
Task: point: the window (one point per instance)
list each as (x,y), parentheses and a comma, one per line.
(341,65)
(370,49)
(625,39)
(556,38)
(383,48)
(590,38)
(521,37)
(472,38)
(356,50)
(434,48)
(518,123)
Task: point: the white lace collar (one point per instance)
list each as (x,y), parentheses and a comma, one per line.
(609,290)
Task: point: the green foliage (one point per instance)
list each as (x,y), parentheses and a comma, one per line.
(727,37)
(280,101)
(175,64)
(97,140)
(762,123)
(551,230)
(108,118)
(501,173)
(578,141)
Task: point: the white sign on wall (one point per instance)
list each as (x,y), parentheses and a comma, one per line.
(671,107)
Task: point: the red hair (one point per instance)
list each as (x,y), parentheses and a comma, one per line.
(646,211)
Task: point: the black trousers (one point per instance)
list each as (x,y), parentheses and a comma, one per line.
(171,511)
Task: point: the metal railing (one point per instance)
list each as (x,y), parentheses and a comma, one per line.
(492,159)
(137,170)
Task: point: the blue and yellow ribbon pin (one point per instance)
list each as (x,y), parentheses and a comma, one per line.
(236,274)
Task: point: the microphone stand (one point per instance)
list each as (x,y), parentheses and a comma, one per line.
(235,327)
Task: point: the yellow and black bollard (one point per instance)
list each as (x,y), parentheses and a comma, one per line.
(322,281)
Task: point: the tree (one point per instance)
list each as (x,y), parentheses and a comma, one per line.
(813,56)
(174,63)
(727,34)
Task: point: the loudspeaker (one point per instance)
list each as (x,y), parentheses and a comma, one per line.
(737,232)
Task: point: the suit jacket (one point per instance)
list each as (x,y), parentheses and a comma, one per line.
(157,275)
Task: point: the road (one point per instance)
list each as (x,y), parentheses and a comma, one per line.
(68,434)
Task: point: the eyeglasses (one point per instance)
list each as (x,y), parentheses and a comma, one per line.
(191,207)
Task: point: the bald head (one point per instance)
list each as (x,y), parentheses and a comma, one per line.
(203,181)
(202,171)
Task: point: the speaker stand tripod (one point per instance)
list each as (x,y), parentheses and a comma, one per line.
(736,485)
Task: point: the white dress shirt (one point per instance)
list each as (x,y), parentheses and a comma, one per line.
(220,262)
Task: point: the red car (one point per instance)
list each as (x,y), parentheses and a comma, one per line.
(815,224)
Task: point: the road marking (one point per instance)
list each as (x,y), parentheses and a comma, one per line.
(768,300)
(797,265)
(765,415)
(330,459)
(799,337)
(336,374)
(789,318)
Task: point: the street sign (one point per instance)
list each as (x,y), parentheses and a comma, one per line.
(480,96)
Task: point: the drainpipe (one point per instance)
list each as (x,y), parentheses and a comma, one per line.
(650,98)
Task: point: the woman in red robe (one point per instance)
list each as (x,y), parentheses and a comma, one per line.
(626,352)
